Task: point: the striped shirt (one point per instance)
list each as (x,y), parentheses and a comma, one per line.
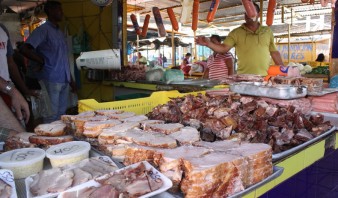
(217,65)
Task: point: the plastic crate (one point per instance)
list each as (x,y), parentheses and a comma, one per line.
(138,106)
(131,96)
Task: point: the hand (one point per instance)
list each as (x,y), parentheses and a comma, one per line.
(20,105)
(202,40)
(31,92)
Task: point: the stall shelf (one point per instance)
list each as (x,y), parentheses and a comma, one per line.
(122,88)
(292,164)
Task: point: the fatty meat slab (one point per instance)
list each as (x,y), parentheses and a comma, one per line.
(50,129)
(144,123)
(137,118)
(212,175)
(135,153)
(170,162)
(93,129)
(242,118)
(186,135)
(164,128)
(143,138)
(46,140)
(108,112)
(253,163)
(108,133)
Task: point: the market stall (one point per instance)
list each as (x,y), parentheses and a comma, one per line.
(238,136)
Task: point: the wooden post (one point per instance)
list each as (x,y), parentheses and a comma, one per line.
(195,48)
(173,48)
(289,27)
(124,32)
(332,63)
(261,13)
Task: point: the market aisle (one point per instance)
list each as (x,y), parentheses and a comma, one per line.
(317,181)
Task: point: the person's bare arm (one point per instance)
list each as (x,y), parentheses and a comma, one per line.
(276,57)
(19,104)
(28,51)
(230,64)
(7,118)
(220,48)
(206,73)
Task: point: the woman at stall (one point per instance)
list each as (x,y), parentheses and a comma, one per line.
(219,65)
(185,64)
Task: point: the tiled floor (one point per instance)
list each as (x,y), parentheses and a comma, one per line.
(317,181)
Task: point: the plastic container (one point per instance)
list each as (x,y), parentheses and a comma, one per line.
(138,106)
(68,153)
(23,162)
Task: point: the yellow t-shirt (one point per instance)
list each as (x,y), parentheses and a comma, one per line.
(252,48)
(142,60)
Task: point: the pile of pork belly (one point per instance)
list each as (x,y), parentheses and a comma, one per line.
(197,168)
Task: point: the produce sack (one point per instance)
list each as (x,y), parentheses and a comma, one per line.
(154,74)
(173,75)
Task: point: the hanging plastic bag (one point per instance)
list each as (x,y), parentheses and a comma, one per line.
(173,75)
(41,105)
(154,74)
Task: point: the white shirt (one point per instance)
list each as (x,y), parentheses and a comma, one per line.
(3,55)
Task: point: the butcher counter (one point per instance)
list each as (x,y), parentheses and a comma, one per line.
(292,164)
(297,162)
(106,90)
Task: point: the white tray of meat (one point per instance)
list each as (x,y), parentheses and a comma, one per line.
(50,183)
(137,180)
(7,184)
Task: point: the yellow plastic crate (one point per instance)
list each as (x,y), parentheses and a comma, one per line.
(138,106)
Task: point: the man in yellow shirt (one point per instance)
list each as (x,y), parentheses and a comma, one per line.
(254,45)
(141,59)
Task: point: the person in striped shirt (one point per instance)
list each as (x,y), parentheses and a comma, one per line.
(219,65)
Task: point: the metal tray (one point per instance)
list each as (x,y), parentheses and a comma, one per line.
(151,82)
(332,117)
(281,155)
(323,92)
(197,83)
(188,82)
(277,171)
(276,91)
